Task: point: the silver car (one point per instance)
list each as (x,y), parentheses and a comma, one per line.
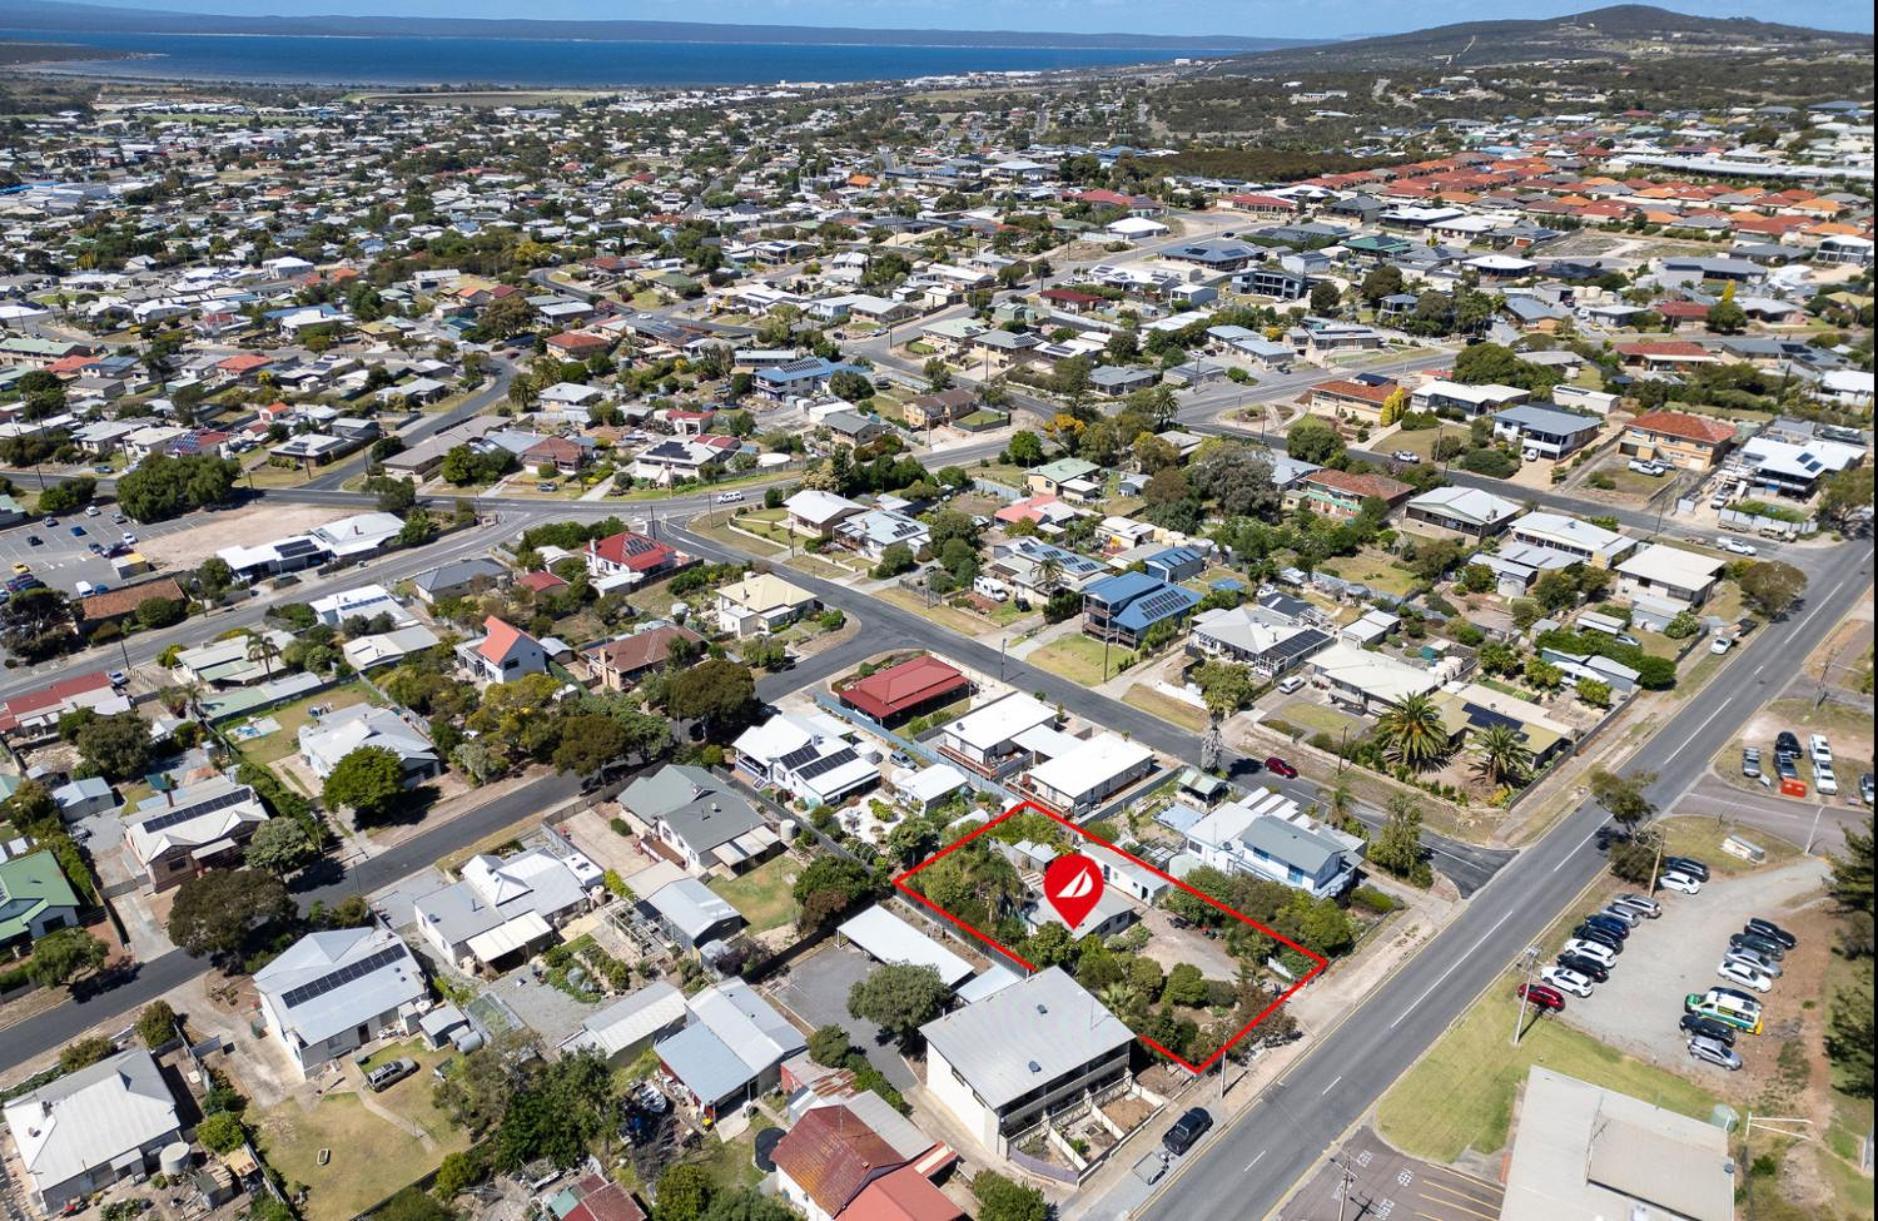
(1753,961)
(1714,1052)
(1650,908)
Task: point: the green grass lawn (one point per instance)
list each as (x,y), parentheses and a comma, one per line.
(1460,1096)
(1079,659)
(763,895)
(1422,441)
(1702,839)
(1166,707)
(1375,570)
(1313,717)
(411,1097)
(370,1159)
(286,740)
(730,1163)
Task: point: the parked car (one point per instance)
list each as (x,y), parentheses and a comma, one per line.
(1746,976)
(1279,767)
(1408,456)
(1786,768)
(1714,1052)
(1720,645)
(387,1075)
(1598,936)
(1759,944)
(1617,911)
(1820,747)
(77,532)
(21,569)
(1652,469)
(1866,788)
(33,540)
(1591,951)
(728,498)
(1596,972)
(1760,962)
(1751,762)
(1773,932)
(1566,980)
(1627,638)
(1541,995)
(130,540)
(1649,907)
(1737,546)
(1708,1028)
(1186,1130)
(1681,883)
(1825,779)
(1688,866)
(91,510)
(1610,924)
(1786,745)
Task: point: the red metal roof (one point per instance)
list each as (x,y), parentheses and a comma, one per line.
(904,1195)
(50,696)
(832,1154)
(909,684)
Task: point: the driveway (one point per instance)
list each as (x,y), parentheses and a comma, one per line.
(1664,960)
(816,990)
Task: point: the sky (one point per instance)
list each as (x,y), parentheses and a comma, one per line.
(1252,18)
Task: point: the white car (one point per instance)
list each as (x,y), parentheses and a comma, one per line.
(1821,746)
(729,498)
(1720,645)
(1740,973)
(1737,546)
(1600,954)
(1824,779)
(1681,883)
(1566,980)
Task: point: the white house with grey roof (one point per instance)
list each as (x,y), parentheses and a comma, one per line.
(1255,637)
(1573,537)
(732,1049)
(1472,512)
(333,992)
(1000,1064)
(90,1128)
(1268,836)
(324,742)
(698,819)
(691,913)
(505,907)
(177,834)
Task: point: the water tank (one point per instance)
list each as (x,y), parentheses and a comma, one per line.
(174,1159)
(788,830)
(679,611)
(468,1041)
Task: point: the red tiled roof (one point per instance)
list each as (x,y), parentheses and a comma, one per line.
(909,684)
(244,362)
(1359,485)
(1664,347)
(1356,390)
(904,1195)
(501,639)
(643,650)
(633,551)
(114,602)
(1688,427)
(831,1154)
(577,340)
(540,582)
(50,696)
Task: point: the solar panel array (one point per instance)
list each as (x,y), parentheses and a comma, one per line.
(827,763)
(1165,602)
(295,997)
(184,813)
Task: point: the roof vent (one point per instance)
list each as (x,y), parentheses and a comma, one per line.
(1035,1067)
(1042,1008)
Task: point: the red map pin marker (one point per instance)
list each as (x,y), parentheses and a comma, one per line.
(1073,885)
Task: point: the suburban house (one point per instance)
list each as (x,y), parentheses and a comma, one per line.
(388,648)
(939,407)
(1340,494)
(1790,468)
(1268,836)
(897,693)
(35,899)
(333,992)
(619,663)
(1268,644)
(814,513)
(1367,681)
(870,533)
(1066,478)
(804,756)
(624,1029)
(180,833)
(833,1164)
(991,739)
(1470,512)
(1352,399)
(1574,538)
(998,1065)
(691,913)
(323,743)
(506,907)
(626,559)
(33,714)
(701,822)
(759,604)
(1124,608)
(237,662)
(458,579)
(366,602)
(504,654)
(1546,431)
(1661,571)
(1441,395)
(732,1050)
(1080,773)
(1677,438)
(85,1130)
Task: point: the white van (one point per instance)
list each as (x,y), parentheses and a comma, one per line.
(991,587)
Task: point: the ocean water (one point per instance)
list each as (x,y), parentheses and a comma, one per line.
(563,63)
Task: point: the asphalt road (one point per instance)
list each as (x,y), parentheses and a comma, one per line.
(1247,1171)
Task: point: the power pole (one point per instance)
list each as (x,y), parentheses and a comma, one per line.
(1531,958)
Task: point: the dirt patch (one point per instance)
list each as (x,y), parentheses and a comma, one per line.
(234,528)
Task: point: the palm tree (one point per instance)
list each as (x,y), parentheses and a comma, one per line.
(1412,733)
(1500,755)
(1338,804)
(1049,573)
(261,648)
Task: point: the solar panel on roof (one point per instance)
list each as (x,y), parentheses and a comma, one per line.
(295,997)
(828,763)
(184,813)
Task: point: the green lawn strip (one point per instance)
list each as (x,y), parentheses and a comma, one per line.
(412,1097)
(1317,718)
(291,717)
(1166,707)
(1080,659)
(1702,838)
(730,1163)
(1460,1096)
(764,895)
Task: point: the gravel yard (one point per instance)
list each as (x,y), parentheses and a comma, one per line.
(1665,959)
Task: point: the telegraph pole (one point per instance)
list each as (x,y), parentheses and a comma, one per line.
(1531,958)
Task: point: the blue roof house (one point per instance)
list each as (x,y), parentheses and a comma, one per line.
(1125,607)
(1176,564)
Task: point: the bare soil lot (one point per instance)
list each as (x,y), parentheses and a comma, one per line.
(233,528)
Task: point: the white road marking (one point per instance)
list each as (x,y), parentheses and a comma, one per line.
(1255,1161)
(1452,968)
(1331,1086)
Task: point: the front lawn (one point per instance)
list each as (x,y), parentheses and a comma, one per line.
(764,895)
(369,1158)
(1702,838)
(1166,707)
(1460,1096)
(1374,569)
(1079,658)
(291,717)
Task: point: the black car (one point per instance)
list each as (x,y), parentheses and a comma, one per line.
(1597,973)
(1598,936)
(1786,745)
(1686,865)
(1611,833)
(1610,924)
(1771,931)
(1186,1130)
(1760,945)
(1708,1028)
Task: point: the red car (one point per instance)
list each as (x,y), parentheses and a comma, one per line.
(1280,767)
(1542,996)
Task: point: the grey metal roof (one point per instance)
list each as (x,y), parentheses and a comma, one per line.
(328,982)
(699,808)
(1026,1035)
(689,906)
(1289,844)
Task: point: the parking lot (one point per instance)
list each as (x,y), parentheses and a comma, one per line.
(62,560)
(816,990)
(1382,1184)
(1665,959)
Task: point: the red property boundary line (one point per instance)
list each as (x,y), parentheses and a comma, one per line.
(1319,962)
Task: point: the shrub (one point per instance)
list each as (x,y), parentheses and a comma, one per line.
(84,1052)
(1372,900)
(221,1132)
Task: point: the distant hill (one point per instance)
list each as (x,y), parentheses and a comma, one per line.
(55,16)
(1619,31)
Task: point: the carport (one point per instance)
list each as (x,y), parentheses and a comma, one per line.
(888,939)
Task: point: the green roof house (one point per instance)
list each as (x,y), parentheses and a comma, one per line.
(35,898)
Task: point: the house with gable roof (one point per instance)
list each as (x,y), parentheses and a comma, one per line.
(503,654)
